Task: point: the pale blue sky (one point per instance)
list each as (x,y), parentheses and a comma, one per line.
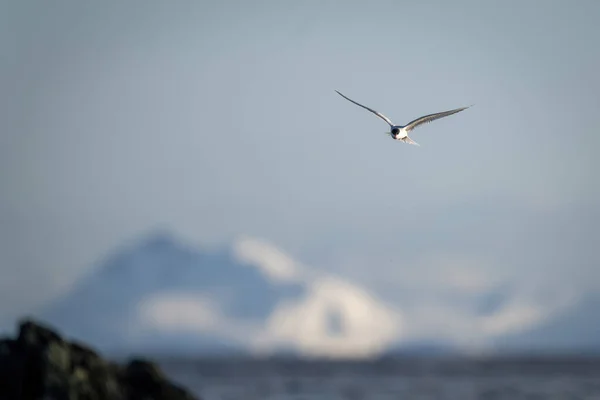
(220,119)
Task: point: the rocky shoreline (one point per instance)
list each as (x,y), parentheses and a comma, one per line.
(40,364)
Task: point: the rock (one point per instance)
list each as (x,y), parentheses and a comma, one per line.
(40,364)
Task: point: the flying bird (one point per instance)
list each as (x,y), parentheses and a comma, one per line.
(400,132)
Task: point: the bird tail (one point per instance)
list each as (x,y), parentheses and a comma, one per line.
(410,141)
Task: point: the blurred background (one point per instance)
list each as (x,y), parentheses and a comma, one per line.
(180,178)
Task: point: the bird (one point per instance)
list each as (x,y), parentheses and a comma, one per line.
(400,132)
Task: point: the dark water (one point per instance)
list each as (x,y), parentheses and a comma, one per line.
(575,378)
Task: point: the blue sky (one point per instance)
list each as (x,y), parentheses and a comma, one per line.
(217,120)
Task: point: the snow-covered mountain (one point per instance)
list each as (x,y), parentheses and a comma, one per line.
(160,295)
(575,330)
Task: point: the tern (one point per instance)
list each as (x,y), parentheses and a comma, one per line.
(400,132)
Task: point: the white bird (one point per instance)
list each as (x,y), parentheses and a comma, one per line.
(400,132)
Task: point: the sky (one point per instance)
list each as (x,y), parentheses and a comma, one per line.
(220,119)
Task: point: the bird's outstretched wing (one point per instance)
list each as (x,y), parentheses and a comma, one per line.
(383,117)
(431,117)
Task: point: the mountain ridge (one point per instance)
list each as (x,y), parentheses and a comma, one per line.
(159,294)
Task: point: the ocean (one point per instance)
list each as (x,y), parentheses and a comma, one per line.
(413,378)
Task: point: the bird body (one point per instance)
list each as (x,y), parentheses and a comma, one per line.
(400,132)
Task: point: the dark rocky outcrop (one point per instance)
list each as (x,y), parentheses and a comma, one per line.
(40,364)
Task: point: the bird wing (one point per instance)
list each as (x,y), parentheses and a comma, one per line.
(431,117)
(383,117)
